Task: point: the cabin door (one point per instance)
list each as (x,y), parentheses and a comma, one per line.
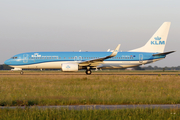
(80,58)
(140,58)
(25,58)
(75,58)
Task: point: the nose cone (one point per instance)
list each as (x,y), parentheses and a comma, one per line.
(7,62)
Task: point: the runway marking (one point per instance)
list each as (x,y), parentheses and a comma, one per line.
(102,107)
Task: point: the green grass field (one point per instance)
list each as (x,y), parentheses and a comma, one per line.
(61,114)
(18,90)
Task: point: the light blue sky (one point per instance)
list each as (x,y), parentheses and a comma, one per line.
(87,25)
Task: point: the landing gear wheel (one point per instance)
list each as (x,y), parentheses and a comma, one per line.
(88,72)
(21,72)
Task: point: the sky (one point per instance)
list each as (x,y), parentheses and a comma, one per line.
(86,25)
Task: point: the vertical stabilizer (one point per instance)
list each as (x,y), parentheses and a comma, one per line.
(158,40)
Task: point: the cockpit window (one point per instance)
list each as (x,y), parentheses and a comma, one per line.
(14,57)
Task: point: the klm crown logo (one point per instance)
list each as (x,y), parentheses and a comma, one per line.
(157,41)
(157,38)
(68,66)
(36,55)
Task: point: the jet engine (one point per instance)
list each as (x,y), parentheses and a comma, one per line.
(69,67)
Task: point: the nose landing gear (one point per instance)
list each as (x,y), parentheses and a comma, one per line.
(21,73)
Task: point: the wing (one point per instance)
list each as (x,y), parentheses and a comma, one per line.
(98,61)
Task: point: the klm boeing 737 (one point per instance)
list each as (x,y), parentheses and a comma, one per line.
(152,51)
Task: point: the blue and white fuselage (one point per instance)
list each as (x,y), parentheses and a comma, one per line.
(152,51)
(51,60)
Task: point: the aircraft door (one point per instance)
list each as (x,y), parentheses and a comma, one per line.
(25,58)
(140,58)
(80,58)
(75,58)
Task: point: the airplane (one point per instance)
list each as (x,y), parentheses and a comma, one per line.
(151,52)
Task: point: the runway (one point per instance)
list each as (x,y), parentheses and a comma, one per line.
(148,74)
(97,107)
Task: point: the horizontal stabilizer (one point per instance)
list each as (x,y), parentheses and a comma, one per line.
(166,53)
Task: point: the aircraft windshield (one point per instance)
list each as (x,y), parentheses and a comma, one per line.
(14,58)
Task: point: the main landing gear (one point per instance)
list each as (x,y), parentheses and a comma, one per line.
(21,73)
(88,72)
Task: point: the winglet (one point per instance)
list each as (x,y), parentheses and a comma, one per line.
(115,51)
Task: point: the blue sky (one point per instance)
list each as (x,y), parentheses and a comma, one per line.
(91,25)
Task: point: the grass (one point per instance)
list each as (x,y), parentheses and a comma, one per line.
(18,90)
(57,114)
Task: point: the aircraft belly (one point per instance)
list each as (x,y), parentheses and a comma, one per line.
(46,65)
(123,64)
(104,64)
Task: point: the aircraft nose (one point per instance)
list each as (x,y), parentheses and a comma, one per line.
(7,62)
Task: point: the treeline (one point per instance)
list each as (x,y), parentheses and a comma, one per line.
(157,68)
(5,67)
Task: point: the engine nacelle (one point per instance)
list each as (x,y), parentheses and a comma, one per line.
(69,67)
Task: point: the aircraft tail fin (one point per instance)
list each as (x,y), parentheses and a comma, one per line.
(157,42)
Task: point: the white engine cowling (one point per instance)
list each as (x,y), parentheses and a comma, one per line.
(69,67)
